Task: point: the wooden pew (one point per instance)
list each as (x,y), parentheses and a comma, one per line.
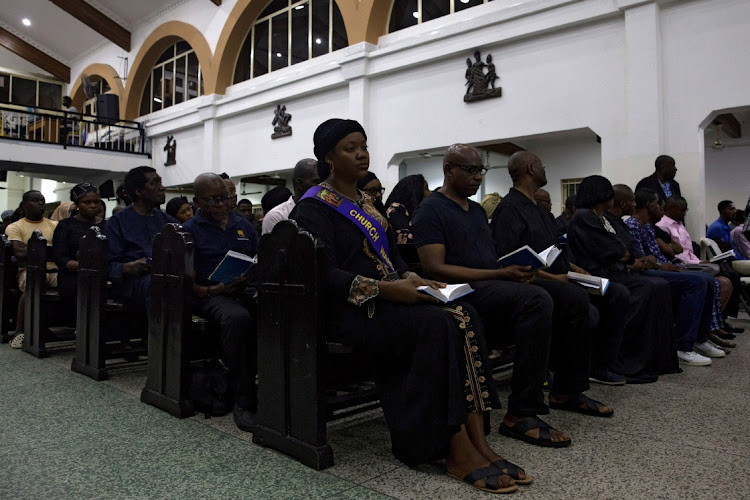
(170,321)
(9,292)
(101,323)
(292,351)
(42,304)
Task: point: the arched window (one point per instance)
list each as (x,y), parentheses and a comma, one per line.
(405,13)
(176,78)
(288,32)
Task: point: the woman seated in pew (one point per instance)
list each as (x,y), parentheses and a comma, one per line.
(68,234)
(429,360)
(401,204)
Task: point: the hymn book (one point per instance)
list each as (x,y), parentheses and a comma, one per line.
(729,254)
(449,293)
(592,284)
(525,256)
(232,267)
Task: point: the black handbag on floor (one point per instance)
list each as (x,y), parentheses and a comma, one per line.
(210,389)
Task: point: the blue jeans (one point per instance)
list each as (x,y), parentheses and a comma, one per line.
(692,294)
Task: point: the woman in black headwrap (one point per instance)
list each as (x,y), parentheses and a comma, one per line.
(68,234)
(179,208)
(429,360)
(401,204)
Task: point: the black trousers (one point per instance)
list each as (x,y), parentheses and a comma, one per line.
(239,342)
(520,314)
(573,320)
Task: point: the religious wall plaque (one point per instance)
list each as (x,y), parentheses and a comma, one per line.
(171,149)
(480,79)
(281,119)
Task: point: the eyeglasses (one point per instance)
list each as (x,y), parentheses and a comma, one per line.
(471,169)
(218,199)
(374,191)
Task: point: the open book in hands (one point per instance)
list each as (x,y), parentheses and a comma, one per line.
(729,254)
(592,284)
(525,256)
(449,293)
(232,267)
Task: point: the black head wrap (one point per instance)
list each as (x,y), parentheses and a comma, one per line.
(327,135)
(81,189)
(366,180)
(409,192)
(175,204)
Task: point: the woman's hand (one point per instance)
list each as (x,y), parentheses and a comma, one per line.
(405,291)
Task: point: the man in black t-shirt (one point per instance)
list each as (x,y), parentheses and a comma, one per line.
(455,245)
(519,220)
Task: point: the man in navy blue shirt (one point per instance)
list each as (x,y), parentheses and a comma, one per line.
(720,231)
(216,229)
(130,234)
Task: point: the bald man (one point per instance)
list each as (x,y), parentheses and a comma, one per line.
(216,229)
(304,176)
(455,245)
(543,199)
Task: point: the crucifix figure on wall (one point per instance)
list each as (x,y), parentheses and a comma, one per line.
(171,149)
(480,85)
(281,127)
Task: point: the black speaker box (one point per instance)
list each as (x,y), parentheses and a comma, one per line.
(107,190)
(108,108)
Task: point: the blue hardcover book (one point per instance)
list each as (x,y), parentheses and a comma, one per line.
(525,256)
(232,267)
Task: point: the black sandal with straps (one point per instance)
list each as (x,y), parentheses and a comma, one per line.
(518,431)
(512,470)
(575,404)
(489,474)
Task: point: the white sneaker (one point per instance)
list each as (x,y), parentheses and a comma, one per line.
(693,358)
(710,350)
(17,341)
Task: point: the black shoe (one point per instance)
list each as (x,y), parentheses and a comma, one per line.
(606,377)
(723,334)
(244,419)
(732,329)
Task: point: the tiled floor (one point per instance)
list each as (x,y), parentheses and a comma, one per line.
(65,436)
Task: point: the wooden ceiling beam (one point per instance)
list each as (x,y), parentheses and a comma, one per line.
(217,2)
(34,55)
(729,125)
(97,21)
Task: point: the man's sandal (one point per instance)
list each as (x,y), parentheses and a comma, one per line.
(582,404)
(512,470)
(489,474)
(518,431)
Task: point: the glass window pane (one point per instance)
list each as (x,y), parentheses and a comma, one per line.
(4,88)
(465,4)
(192,76)
(300,19)
(280,41)
(260,47)
(320,20)
(200,91)
(156,86)
(274,6)
(167,54)
(403,15)
(432,9)
(179,80)
(182,47)
(105,86)
(24,92)
(146,99)
(340,40)
(168,83)
(242,70)
(50,95)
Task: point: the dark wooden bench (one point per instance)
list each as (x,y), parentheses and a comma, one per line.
(175,335)
(44,316)
(9,292)
(295,363)
(102,323)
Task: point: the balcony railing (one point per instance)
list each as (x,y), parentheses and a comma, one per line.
(71,129)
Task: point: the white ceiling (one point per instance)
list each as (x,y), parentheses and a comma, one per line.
(59,34)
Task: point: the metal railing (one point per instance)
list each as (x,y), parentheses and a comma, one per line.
(70,129)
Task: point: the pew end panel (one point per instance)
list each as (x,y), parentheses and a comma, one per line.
(9,292)
(167,382)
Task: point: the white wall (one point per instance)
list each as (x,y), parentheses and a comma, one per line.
(727,178)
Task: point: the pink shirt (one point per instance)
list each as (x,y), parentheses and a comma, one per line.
(679,234)
(740,243)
